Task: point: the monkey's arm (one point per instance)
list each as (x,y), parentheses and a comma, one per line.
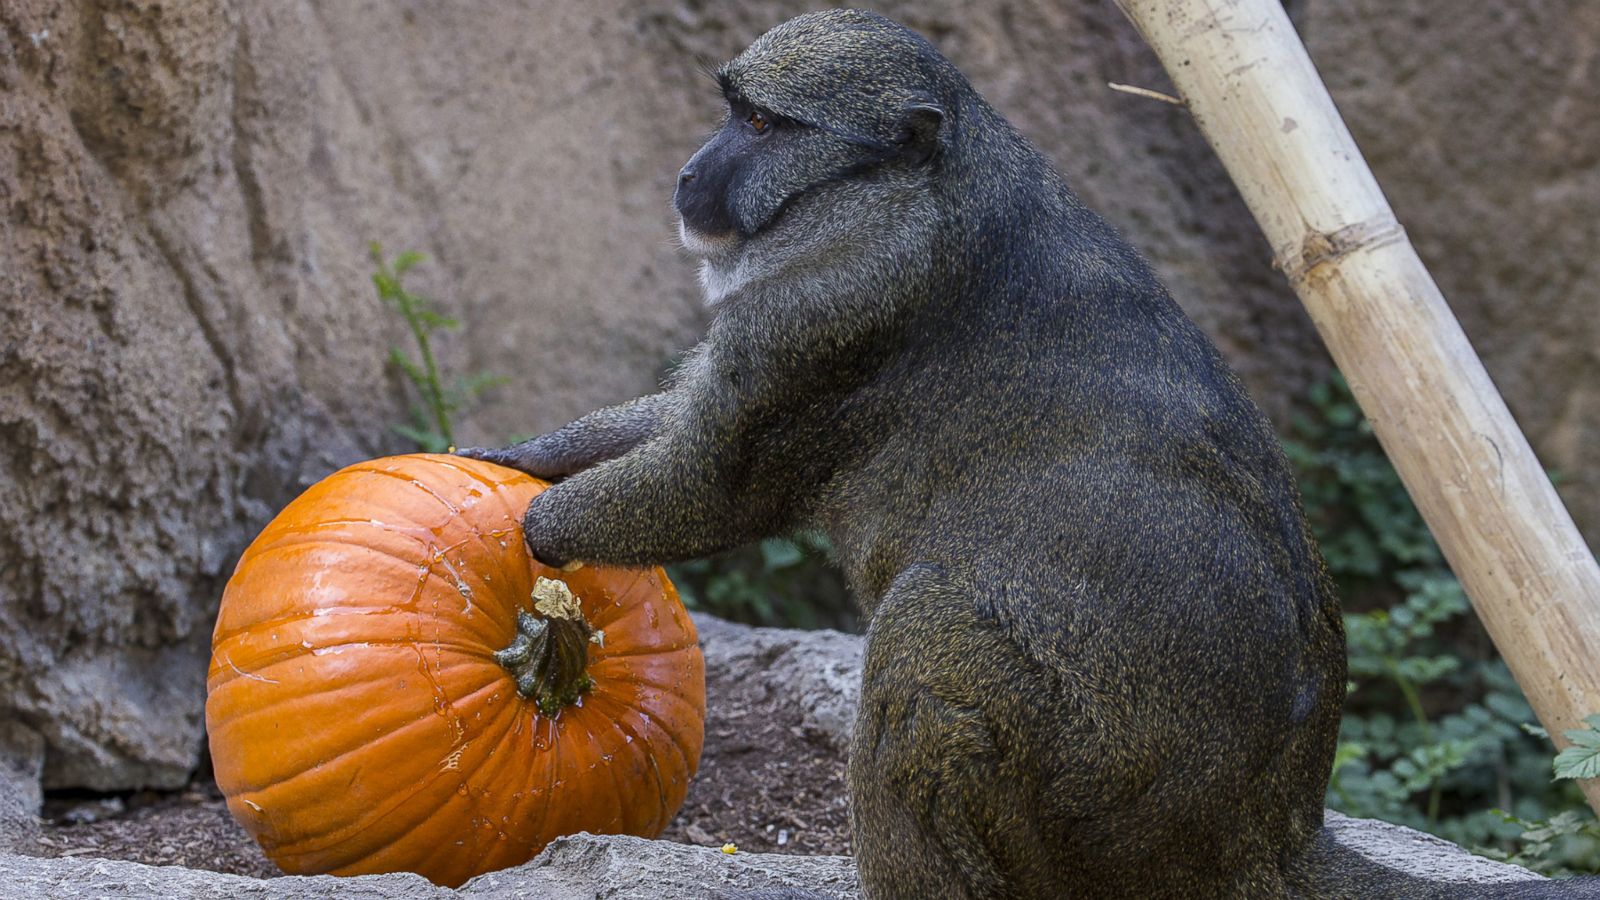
(599,436)
(665,501)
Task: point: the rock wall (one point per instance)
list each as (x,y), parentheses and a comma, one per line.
(1482,123)
(188,335)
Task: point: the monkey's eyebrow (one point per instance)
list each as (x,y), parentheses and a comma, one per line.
(737,99)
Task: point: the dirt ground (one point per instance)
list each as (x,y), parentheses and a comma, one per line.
(762,785)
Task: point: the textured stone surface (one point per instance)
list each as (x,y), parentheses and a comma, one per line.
(188,336)
(819,670)
(584,867)
(1416,853)
(27,878)
(628,868)
(21,760)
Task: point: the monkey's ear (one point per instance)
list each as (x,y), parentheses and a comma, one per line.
(920,120)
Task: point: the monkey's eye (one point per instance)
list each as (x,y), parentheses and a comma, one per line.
(759,122)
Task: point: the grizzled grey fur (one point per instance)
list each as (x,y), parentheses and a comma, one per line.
(1104,657)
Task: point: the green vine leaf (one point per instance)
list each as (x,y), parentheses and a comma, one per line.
(1582,759)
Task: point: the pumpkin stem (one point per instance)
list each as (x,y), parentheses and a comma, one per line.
(548,656)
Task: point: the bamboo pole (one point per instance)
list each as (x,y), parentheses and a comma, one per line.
(1247,80)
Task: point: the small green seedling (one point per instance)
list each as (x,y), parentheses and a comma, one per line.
(430,425)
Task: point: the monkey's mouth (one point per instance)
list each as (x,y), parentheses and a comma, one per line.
(704,244)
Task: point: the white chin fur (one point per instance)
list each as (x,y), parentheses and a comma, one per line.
(718,268)
(705,245)
(719,279)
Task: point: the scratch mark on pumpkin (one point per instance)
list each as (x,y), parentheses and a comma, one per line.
(453,761)
(250,675)
(461,585)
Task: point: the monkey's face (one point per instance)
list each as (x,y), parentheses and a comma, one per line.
(798,129)
(759,163)
(715,186)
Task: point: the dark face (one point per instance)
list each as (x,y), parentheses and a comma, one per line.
(704,184)
(759,162)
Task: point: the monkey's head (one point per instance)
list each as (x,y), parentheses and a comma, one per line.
(831,117)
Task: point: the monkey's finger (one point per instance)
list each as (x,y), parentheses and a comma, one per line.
(497,455)
(531,457)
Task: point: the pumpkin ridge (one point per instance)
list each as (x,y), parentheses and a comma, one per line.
(264,707)
(443,849)
(354,613)
(635,717)
(620,723)
(511,752)
(667,707)
(613,612)
(430,571)
(625,611)
(263,671)
(407,477)
(636,675)
(596,797)
(457,512)
(432,550)
(437,555)
(552,767)
(295,651)
(378,850)
(520,745)
(641,650)
(426,719)
(477,470)
(497,490)
(281,533)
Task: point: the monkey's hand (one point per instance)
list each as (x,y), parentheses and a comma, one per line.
(660,503)
(601,435)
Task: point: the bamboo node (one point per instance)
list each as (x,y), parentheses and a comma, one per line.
(1318,248)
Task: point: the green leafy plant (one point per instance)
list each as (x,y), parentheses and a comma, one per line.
(1582,759)
(1543,844)
(784,581)
(430,425)
(1435,734)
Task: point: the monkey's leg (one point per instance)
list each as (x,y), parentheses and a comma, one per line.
(664,501)
(944,799)
(599,436)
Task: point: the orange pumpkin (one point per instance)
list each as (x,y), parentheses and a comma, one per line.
(383,695)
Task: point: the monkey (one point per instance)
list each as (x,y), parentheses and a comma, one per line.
(1104,657)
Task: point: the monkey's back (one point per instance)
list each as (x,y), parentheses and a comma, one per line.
(1100,522)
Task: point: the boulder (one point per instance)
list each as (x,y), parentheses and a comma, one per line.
(817,672)
(1419,854)
(21,760)
(29,878)
(586,866)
